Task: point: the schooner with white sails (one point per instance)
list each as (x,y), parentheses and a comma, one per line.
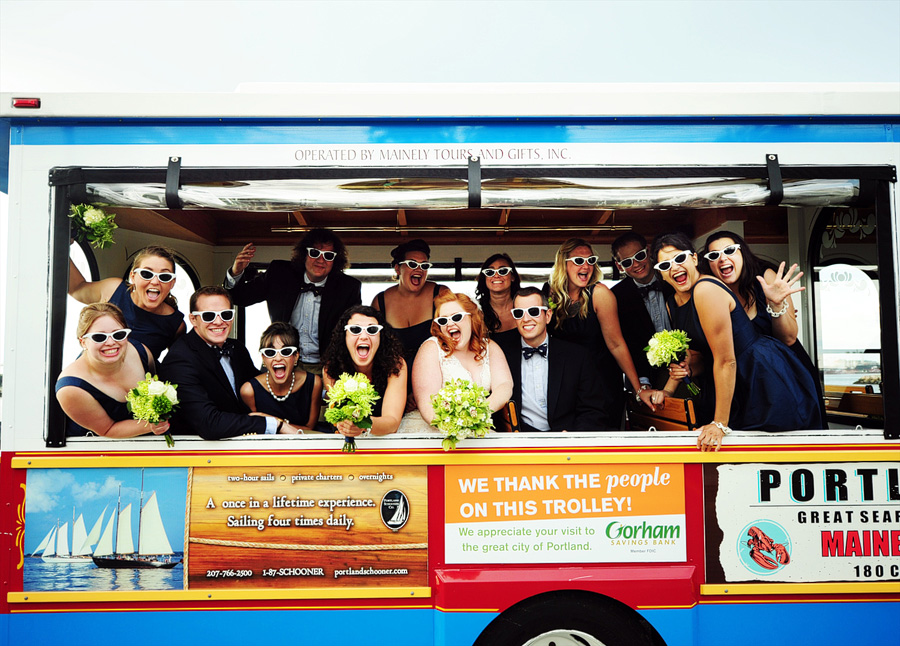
(116,547)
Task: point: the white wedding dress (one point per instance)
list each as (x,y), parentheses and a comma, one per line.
(451,369)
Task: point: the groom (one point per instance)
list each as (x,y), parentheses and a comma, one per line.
(555,387)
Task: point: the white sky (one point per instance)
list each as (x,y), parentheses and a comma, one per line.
(199,45)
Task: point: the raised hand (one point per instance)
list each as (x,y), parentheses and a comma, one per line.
(782,286)
(243,259)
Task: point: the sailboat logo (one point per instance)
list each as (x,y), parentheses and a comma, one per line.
(394,509)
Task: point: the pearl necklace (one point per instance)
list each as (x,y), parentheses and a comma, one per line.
(276,397)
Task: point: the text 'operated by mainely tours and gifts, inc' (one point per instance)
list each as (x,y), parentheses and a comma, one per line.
(307,527)
(565,514)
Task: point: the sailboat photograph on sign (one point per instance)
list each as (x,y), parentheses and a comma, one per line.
(146,504)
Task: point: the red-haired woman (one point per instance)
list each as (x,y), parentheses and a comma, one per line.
(459,348)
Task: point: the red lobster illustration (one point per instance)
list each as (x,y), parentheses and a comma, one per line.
(759,543)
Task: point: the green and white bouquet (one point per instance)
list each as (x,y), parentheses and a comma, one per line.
(153,401)
(670,346)
(352,397)
(92,225)
(461,410)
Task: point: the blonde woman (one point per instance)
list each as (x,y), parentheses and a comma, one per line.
(585,312)
(92,389)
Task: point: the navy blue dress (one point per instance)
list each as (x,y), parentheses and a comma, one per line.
(295,408)
(772,390)
(763,322)
(587,333)
(116,410)
(156,331)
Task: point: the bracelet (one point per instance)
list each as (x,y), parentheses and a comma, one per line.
(722,427)
(775,314)
(637,393)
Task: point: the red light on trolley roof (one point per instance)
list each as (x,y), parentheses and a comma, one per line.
(26,103)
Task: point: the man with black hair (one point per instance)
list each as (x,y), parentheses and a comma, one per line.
(555,386)
(641,297)
(310,291)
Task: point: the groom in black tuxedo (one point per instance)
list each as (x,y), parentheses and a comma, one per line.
(555,387)
(641,296)
(208,369)
(310,291)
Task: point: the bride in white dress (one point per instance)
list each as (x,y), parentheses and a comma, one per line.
(458,349)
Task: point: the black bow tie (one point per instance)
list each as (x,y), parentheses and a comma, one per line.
(309,287)
(529,352)
(224,351)
(652,287)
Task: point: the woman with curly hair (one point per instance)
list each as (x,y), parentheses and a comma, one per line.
(363,342)
(498,282)
(585,312)
(459,348)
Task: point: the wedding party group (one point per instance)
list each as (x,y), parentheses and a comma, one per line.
(421,359)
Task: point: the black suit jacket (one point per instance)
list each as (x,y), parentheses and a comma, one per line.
(280,286)
(637,327)
(208,406)
(574,398)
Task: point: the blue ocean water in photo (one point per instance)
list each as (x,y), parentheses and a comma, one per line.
(40,576)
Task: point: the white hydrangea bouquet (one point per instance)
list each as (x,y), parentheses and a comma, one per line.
(352,397)
(153,401)
(670,346)
(92,225)
(461,410)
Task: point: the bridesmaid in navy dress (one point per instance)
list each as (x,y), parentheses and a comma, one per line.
(764,292)
(284,391)
(92,389)
(747,380)
(146,301)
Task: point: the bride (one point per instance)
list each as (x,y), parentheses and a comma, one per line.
(458,349)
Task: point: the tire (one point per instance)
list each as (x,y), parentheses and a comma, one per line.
(570,618)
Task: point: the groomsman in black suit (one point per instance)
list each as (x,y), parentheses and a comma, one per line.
(310,291)
(641,297)
(555,387)
(208,369)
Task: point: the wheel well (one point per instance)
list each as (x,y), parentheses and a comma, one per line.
(560,607)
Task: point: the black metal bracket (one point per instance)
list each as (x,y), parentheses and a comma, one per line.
(173,183)
(474,182)
(773,179)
